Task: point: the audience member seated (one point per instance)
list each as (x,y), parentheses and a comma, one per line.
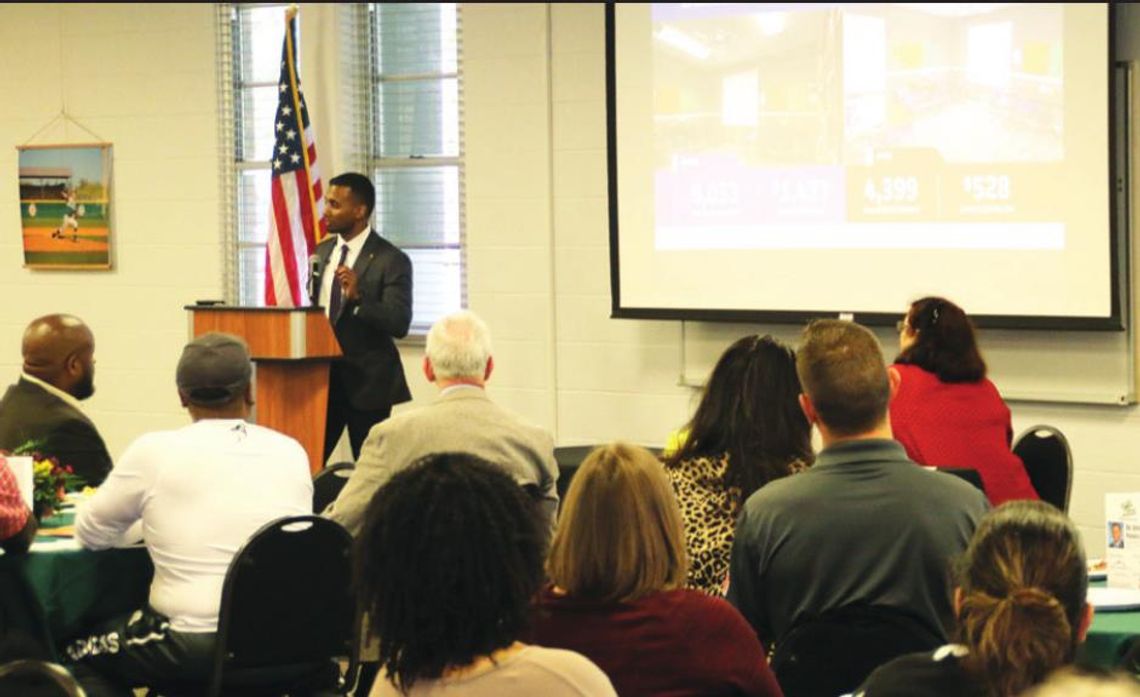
(200,492)
(617,565)
(946,412)
(863,525)
(17,524)
(458,360)
(748,430)
(448,559)
(1021,611)
(43,405)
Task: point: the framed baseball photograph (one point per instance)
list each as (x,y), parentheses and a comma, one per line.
(65,205)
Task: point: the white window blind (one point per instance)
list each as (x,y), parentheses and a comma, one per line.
(258,31)
(417,149)
(404,93)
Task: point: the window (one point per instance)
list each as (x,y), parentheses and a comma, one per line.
(413,150)
(417,166)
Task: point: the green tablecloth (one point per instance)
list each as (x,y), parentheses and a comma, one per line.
(1109,637)
(53,595)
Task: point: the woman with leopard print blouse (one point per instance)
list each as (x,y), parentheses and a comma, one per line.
(747,431)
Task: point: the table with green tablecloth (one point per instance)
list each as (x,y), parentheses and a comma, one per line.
(1109,637)
(57,591)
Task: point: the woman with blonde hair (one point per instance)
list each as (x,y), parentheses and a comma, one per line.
(617,566)
(1021,611)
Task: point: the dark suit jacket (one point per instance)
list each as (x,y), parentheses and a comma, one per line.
(370,372)
(29,412)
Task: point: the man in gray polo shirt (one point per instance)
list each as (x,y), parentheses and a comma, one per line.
(864,525)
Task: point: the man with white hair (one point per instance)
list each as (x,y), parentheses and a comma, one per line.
(458,360)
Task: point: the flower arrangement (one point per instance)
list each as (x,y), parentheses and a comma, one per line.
(50,479)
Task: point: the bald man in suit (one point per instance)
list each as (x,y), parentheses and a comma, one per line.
(43,405)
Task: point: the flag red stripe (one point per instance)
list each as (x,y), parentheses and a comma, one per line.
(270,293)
(285,237)
(306,204)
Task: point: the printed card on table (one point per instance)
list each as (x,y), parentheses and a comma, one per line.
(1122,539)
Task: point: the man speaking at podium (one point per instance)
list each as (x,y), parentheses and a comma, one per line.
(364,283)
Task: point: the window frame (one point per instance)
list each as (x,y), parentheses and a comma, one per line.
(237,162)
(377,162)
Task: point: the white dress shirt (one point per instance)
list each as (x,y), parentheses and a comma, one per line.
(354,247)
(200,491)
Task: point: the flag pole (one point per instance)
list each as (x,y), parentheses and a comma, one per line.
(290,15)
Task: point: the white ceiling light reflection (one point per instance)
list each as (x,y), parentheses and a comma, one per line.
(683,42)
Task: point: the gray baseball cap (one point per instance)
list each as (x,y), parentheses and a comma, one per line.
(214,369)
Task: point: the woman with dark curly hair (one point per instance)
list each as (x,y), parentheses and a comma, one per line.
(748,430)
(616,566)
(946,413)
(447,563)
(1021,611)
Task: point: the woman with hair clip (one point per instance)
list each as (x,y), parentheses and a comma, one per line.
(617,565)
(748,430)
(1021,611)
(448,561)
(946,413)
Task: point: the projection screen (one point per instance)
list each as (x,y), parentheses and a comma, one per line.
(782,161)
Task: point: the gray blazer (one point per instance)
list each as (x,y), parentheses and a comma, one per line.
(463,420)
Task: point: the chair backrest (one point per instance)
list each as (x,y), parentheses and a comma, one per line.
(287,598)
(569,458)
(833,653)
(328,483)
(34,678)
(1048,462)
(969,474)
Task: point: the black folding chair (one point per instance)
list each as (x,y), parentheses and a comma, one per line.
(1048,462)
(833,653)
(35,678)
(968,474)
(287,615)
(328,483)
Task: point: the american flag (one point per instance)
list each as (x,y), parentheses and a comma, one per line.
(295,220)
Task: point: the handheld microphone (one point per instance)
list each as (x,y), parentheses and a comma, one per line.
(314,267)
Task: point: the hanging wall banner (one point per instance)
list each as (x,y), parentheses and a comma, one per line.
(65,205)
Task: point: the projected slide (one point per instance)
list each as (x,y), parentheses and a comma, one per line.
(970,133)
(878,115)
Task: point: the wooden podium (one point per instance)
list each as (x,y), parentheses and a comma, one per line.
(291,350)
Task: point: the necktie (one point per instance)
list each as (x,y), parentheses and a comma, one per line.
(335,296)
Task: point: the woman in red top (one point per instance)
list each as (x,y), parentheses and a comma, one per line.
(618,565)
(946,413)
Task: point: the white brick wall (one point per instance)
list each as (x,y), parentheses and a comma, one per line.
(508,198)
(144,80)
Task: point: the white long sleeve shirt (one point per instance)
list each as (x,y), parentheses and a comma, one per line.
(200,491)
(327,278)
